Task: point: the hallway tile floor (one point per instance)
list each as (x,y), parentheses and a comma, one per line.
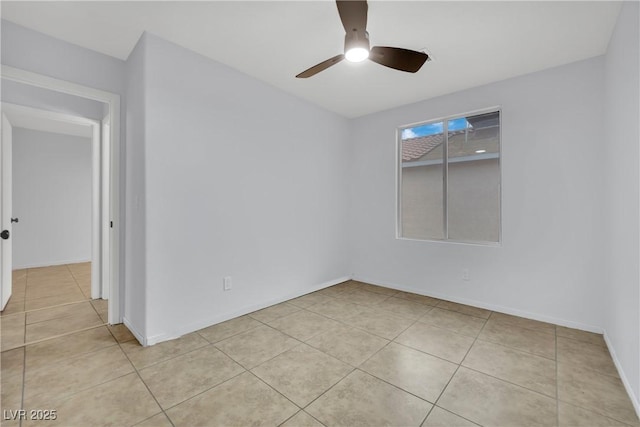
(352,354)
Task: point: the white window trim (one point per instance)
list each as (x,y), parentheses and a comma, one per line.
(399,167)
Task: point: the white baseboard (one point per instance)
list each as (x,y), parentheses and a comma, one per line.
(204,323)
(49,264)
(625,381)
(492,307)
(135,332)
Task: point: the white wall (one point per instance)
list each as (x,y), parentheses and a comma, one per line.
(549,265)
(135,312)
(52,198)
(241,180)
(33,51)
(621,156)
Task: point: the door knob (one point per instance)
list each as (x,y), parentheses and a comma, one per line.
(4,234)
(14,220)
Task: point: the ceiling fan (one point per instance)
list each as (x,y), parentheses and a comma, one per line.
(353,14)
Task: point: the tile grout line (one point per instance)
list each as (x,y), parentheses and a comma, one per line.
(54,306)
(357,368)
(344,322)
(516,349)
(467,419)
(55,336)
(277,391)
(423,320)
(424,352)
(96,311)
(154,415)
(70,395)
(67,397)
(393,339)
(77,355)
(500,344)
(459,312)
(295,338)
(396,387)
(476,370)
(24,337)
(47,307)
(373,333)
(63,316)
(508,382)
(329,355)
(209,344)
(458,368)
(230,336)
(77,392)
(204,391)
(330,388)
(74,279)
(24,347)
(39,298)
(135,369)
(168,358)
(591,409)
(301,410)
(26,287)
(24,375)
(271,358)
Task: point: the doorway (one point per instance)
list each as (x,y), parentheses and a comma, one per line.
(105,275)
(56,237)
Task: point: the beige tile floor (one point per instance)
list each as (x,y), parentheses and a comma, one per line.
(50,301)
(350,355)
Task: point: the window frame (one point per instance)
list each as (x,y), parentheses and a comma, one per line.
(445,172)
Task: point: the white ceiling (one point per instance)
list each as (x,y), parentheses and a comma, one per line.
(472,43)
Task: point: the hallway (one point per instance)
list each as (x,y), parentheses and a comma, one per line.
(49,302)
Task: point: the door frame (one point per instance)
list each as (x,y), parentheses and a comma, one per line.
(110,189)
(98,199)
(6,222)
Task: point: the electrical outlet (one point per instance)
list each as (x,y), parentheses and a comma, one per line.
(465,274)
(226,283)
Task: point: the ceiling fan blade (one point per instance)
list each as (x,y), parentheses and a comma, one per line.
(353,14)
(397,58)
(320,67)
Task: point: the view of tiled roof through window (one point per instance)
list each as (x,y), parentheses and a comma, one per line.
(419,143)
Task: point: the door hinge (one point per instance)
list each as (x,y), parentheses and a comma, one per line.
(111,224)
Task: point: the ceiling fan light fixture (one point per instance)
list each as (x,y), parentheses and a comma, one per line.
(356,46)
(356,54)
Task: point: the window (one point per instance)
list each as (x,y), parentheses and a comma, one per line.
(449,179)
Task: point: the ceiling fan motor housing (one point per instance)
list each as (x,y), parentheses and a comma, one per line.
(356,38)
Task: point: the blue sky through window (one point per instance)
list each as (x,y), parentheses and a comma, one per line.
(433,128)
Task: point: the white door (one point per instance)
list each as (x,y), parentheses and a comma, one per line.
(5,212)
